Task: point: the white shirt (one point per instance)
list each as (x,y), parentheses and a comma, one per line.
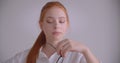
(71,57)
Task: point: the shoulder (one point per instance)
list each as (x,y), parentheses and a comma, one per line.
(19,57)
(75,56)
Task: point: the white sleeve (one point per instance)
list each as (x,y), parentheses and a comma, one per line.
(13,59)
(19,57)
(83,60)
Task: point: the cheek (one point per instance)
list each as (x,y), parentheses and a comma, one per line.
(65,28)
(47,28)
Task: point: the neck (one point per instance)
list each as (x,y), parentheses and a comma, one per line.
(50,46)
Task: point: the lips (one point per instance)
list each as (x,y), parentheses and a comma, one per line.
(56,33)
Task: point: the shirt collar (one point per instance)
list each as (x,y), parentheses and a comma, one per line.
(42,54)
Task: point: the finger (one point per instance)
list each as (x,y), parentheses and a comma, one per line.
(65,50)
(61,42)
(60,45)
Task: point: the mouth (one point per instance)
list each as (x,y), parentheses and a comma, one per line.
(56,33)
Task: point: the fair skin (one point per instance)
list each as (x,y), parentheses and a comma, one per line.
(55,26)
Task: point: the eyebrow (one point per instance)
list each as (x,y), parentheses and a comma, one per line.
(58,17)
(62,17)
(49,17)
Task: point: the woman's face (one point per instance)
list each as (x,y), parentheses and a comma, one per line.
(55,24)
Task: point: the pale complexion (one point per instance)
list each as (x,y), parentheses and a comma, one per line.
(55,26)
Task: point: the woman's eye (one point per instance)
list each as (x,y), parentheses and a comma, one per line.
(62,21)
(49,21)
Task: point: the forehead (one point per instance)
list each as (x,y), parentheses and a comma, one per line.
(55,12)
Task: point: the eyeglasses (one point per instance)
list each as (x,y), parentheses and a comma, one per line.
(59,60)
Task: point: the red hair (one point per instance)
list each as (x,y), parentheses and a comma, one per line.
(41,40)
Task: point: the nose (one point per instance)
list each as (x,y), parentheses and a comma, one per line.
(56,25)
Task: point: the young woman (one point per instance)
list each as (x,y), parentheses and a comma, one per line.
(50,46)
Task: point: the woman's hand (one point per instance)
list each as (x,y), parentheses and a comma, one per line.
(69,45)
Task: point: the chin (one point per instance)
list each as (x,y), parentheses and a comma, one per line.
(57,38)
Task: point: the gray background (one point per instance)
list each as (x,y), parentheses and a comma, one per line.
(95,23)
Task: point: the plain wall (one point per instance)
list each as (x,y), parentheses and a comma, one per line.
(95,23)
